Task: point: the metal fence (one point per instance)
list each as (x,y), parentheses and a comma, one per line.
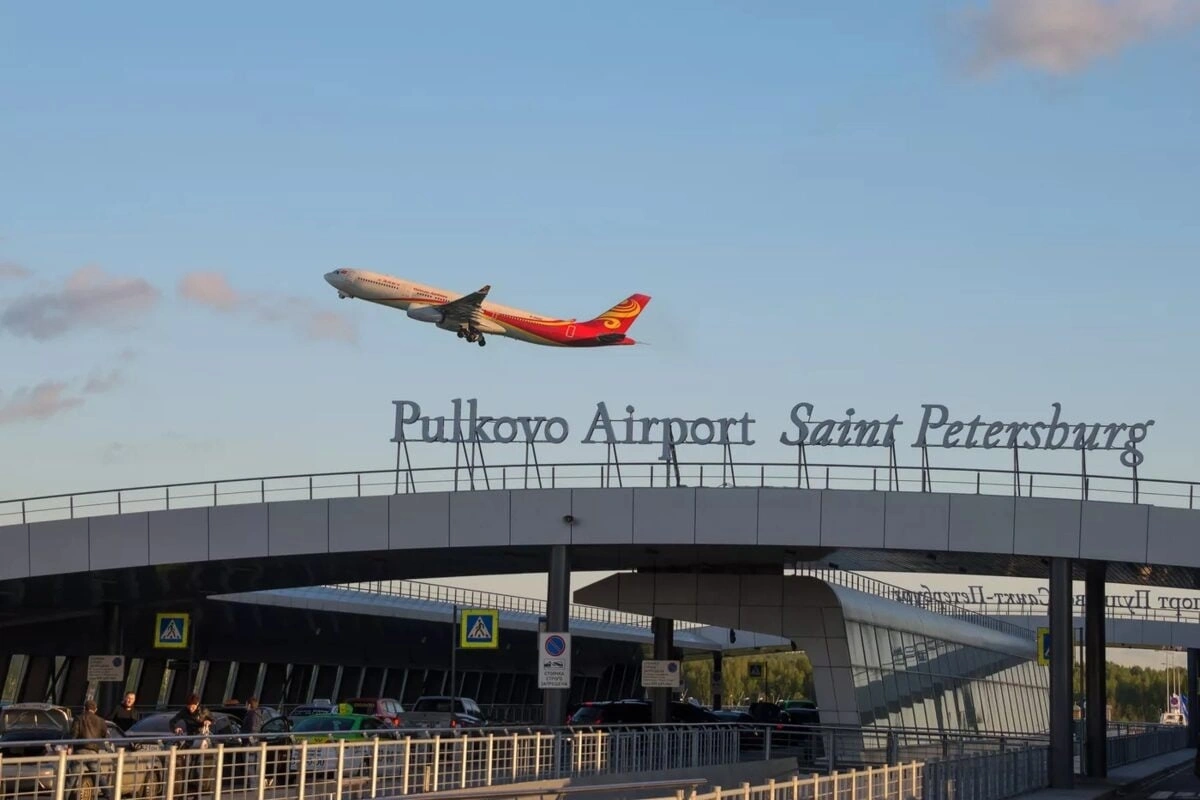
(1008,482)
(869,585)
(1154,740)
(987,776)
(899,782)
(327,766)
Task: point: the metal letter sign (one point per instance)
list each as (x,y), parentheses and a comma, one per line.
(479,629)
(106,668)
(554,661)
(171,631)
(1043,646)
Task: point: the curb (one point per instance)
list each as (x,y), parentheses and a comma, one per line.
(1142,782)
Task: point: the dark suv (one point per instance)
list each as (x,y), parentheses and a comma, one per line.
(636,712)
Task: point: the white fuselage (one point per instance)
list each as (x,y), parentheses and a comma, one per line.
(418,299)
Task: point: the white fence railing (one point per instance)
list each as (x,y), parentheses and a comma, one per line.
(352,769)
(899,782)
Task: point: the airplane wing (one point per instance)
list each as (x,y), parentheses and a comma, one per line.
(466,308)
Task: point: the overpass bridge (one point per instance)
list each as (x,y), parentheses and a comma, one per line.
(158,545)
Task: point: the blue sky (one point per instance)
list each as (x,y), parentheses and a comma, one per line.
(874,204)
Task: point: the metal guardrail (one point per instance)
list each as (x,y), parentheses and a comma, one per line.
(225,767)
(1007,482)
(899,782)
(1154,741)
(988,776)
(868,585)
(476,598)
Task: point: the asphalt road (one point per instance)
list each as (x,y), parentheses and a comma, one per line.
(1181,784)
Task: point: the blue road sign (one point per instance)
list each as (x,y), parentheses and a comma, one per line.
(555,645)
(171,630)
(479,629)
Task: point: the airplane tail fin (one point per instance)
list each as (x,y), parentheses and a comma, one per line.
(621,317)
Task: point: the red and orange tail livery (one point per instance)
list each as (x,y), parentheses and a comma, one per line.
(472,316)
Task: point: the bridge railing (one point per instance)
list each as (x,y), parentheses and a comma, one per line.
(869,585)
(1172,609)
(987,776)
(899,782)
(1009,482)
(1154,741)
(351,768)
(476,598)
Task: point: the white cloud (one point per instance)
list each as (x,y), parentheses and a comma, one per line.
(213,290)
(9,270)
(1065,36)
(89,298)
(38,402)
(53,397)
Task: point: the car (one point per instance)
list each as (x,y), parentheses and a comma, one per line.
(636,712)
(751,735)
(323,729)
(322,707)
(195,773)
(384,708)
(30,730)
(285,733)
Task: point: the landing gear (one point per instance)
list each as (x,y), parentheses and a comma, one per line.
(472,335)
(341,296)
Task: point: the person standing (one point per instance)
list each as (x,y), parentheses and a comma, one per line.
(88,732)
(124,716)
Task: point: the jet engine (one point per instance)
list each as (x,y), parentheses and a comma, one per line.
(426,314)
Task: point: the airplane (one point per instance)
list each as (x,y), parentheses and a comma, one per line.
(470,316)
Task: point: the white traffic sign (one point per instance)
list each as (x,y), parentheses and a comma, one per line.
(106,668)
(554,661)
(661,675)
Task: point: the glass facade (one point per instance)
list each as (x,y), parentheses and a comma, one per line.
(911,680)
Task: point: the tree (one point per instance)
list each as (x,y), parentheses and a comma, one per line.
(785,676)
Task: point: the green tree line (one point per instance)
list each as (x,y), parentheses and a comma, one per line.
(784,676)
(1135,694)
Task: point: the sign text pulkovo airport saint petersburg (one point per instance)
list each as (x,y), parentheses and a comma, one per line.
(938,428)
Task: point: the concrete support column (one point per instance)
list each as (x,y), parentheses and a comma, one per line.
(1193,677)
(716,681)
(1096,676)
(1062,757)
(558,615)
(664,643)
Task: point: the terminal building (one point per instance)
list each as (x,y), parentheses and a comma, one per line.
(877,663)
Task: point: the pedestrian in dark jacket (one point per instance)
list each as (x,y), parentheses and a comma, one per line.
(124,716)
(89,731)
(186,721)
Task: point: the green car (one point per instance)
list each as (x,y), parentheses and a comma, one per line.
(322,732)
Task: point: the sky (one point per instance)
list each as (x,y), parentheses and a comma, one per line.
(989,205)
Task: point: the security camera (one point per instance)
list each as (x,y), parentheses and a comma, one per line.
(569,519)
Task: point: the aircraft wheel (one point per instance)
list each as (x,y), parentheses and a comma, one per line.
(482,341)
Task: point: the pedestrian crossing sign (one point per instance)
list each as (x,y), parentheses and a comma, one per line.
(171,631)
(1043,646)
(479,629)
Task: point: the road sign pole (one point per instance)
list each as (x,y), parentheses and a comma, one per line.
(453,657)
(558,608)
